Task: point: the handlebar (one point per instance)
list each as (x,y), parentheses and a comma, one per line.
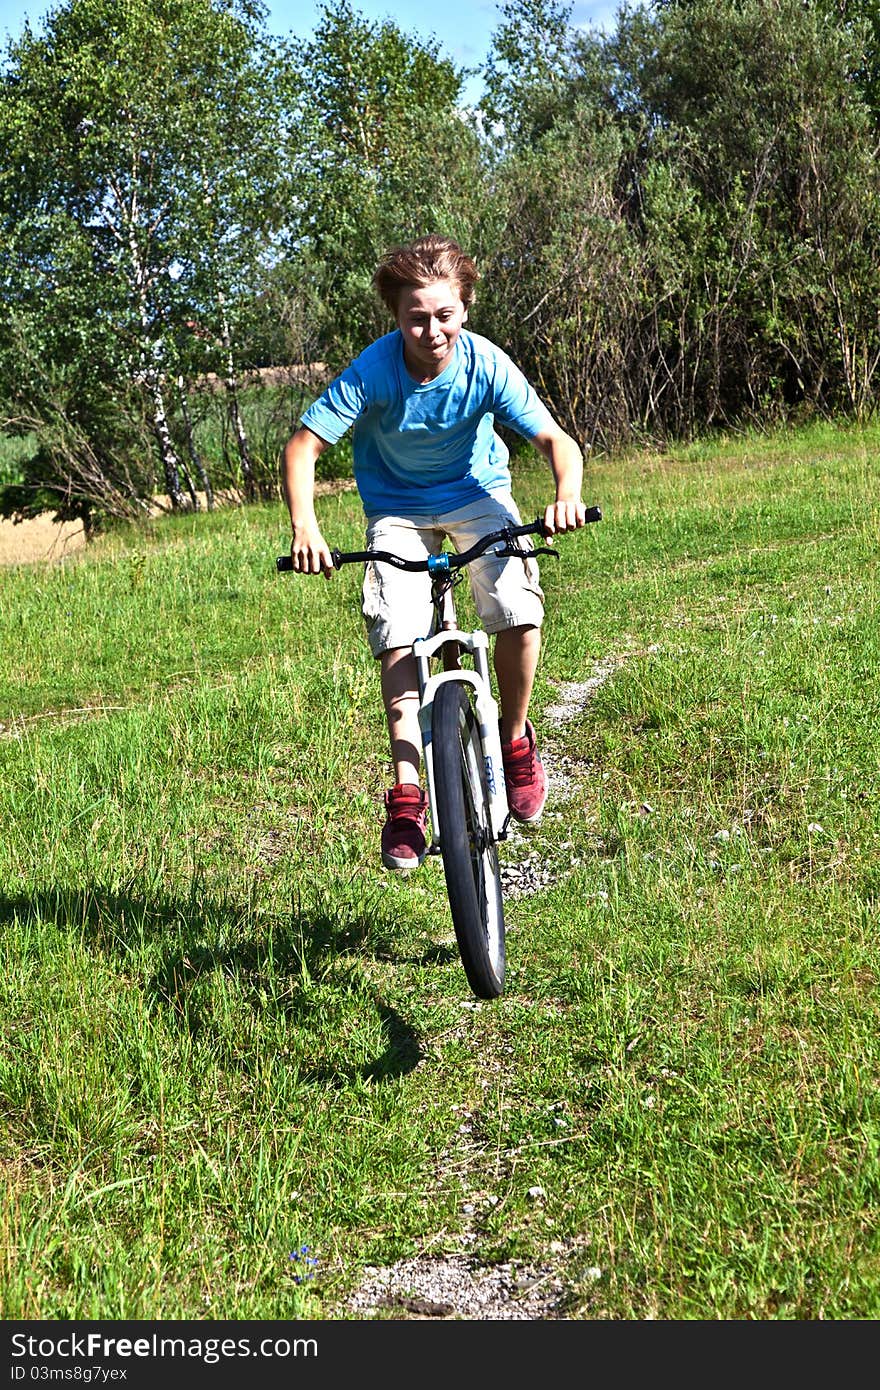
(451,560)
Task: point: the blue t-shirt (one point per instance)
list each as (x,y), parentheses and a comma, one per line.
(424,449)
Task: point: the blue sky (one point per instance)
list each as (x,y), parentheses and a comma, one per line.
(463,28)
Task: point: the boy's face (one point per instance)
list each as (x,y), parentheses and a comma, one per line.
(430,317)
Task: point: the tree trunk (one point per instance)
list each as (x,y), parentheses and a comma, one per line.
(170,461)
(235,415)
(195,456)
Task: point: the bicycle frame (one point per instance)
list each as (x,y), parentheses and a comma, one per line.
(476,645)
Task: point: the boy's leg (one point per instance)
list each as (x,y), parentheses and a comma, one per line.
(404,834)
(396,607)
(516,661)
(397,610)
(400,697)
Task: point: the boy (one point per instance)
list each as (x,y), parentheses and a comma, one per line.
(428,464)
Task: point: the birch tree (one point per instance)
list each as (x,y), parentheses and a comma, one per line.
(143,184)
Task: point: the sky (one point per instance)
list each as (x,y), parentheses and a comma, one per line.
(462,28)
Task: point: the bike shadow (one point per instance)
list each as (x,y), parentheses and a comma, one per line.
(278,961)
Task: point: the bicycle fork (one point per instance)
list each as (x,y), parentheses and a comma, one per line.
(476,644)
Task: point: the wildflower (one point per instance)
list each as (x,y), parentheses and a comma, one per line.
(306,1260)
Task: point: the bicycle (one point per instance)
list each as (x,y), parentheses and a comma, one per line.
(461,745)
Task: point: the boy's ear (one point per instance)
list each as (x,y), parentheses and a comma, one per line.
(464,316)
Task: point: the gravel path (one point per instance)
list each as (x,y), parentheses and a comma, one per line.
(459,1286)
(525,868)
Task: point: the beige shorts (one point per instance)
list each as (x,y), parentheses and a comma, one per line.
(397,604)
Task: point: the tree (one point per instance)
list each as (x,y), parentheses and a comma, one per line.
(144,181)
(776,140)
(528,74)
(386,155)
(864,17)
(691,215)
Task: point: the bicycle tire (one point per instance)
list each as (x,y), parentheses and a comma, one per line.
(470,857)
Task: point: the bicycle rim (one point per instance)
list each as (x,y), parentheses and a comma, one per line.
(470,858)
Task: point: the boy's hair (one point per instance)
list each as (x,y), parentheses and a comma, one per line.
(421,263)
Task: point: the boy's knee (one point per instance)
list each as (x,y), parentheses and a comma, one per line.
(520,634)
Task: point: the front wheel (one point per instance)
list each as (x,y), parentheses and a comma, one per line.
(470,859)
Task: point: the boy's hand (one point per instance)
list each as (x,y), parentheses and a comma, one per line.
(565,516)
(568,512)
(309,551)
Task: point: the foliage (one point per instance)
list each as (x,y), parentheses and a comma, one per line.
(556,282)
(677,222)
(143,181)
(386,156)
(527,74)
(691,218)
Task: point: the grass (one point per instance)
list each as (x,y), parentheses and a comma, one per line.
(229,1035)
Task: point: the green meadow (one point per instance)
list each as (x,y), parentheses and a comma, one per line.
(228,1035)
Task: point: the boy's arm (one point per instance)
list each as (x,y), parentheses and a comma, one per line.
(308,549)
(568,511)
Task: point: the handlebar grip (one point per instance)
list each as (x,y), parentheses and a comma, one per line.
(284,563)
(537,528)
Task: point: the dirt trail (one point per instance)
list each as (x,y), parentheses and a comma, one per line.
(45,540)
(30,542)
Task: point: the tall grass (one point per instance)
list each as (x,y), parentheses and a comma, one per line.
(270,412)
(229,1034)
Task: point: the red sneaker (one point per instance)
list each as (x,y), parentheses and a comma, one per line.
(404,845)
(525,777)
